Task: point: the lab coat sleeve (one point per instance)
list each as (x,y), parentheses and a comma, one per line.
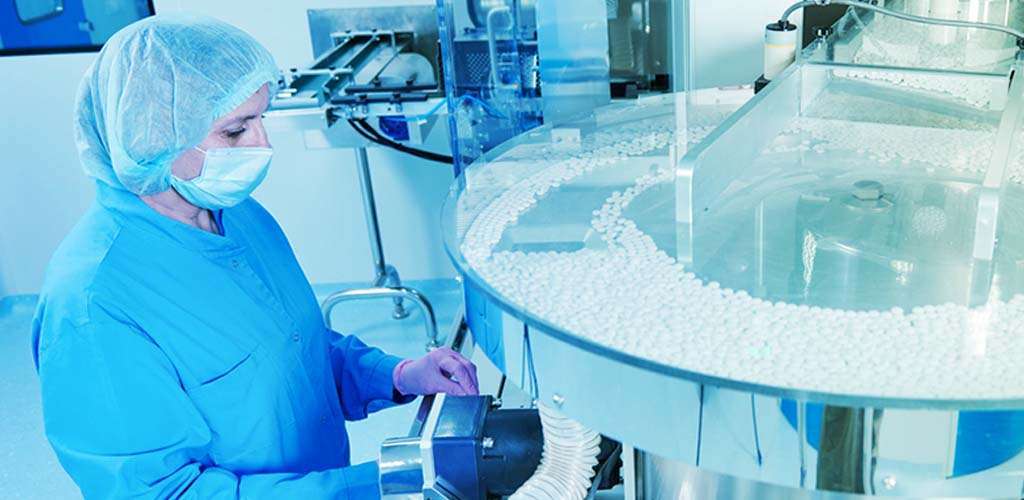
(363,377)
(123,427)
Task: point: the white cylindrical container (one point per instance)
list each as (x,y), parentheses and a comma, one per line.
(780,45)
(943,9)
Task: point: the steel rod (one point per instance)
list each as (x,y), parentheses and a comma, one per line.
(370,212)
(429,319)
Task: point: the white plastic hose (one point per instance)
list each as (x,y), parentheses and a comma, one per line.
(492,40)
(567,464)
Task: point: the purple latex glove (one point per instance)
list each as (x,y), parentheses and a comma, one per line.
(442,370)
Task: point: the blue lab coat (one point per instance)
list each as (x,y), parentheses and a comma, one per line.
(176,363)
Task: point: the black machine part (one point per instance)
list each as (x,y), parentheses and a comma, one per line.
(483,452)
(511,449)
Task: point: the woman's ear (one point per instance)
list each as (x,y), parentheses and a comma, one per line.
(188,165)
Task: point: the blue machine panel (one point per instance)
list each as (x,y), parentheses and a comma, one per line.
(70,25)
(484,319)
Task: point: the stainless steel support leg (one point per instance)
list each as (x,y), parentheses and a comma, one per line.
(386,283)
(385,275)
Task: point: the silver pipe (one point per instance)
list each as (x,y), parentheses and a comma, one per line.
(391,279)
(370,211)
(384,275)
(1019,35)
(325,72)
(401,467)
(429,320)
(795,7)
(492,42)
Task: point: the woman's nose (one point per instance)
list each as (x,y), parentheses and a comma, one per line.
(259,136)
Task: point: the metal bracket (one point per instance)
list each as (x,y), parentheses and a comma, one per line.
(987,218)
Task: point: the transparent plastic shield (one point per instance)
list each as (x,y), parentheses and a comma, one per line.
(867,198)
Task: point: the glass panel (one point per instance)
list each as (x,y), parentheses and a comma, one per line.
(873,39)
(919,142)
(574,65)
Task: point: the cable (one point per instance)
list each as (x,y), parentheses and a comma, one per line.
(464,99)
(430,112)
(533,369)
(368,132)
(757,435)
(700,421)
(501,387)
(483,104)
(363,128)
(376,136)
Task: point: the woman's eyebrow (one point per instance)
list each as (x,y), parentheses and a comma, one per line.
(240,120)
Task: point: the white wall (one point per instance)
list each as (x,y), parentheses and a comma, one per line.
(727,37)
(42,190)
(314,194)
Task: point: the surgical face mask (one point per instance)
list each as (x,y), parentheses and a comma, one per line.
(229,176)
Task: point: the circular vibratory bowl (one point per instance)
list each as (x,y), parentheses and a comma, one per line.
(823,324)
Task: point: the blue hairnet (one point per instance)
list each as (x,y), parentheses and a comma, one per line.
(156,89)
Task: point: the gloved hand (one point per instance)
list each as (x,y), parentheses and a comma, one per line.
(442,370)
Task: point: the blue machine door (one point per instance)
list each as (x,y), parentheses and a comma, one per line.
(29,24)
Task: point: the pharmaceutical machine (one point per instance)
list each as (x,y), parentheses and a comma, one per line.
(812,292)
(816,291)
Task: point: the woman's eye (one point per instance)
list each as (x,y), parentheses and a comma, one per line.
(234,133)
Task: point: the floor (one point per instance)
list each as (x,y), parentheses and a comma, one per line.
(28,468)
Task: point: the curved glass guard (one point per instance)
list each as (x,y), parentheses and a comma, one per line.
(818,287)
(821,240)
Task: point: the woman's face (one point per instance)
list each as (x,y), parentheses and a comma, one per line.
(242,127)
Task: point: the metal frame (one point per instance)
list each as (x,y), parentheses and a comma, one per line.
(993,188)
(335,70)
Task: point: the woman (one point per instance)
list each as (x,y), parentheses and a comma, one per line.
(179,345)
